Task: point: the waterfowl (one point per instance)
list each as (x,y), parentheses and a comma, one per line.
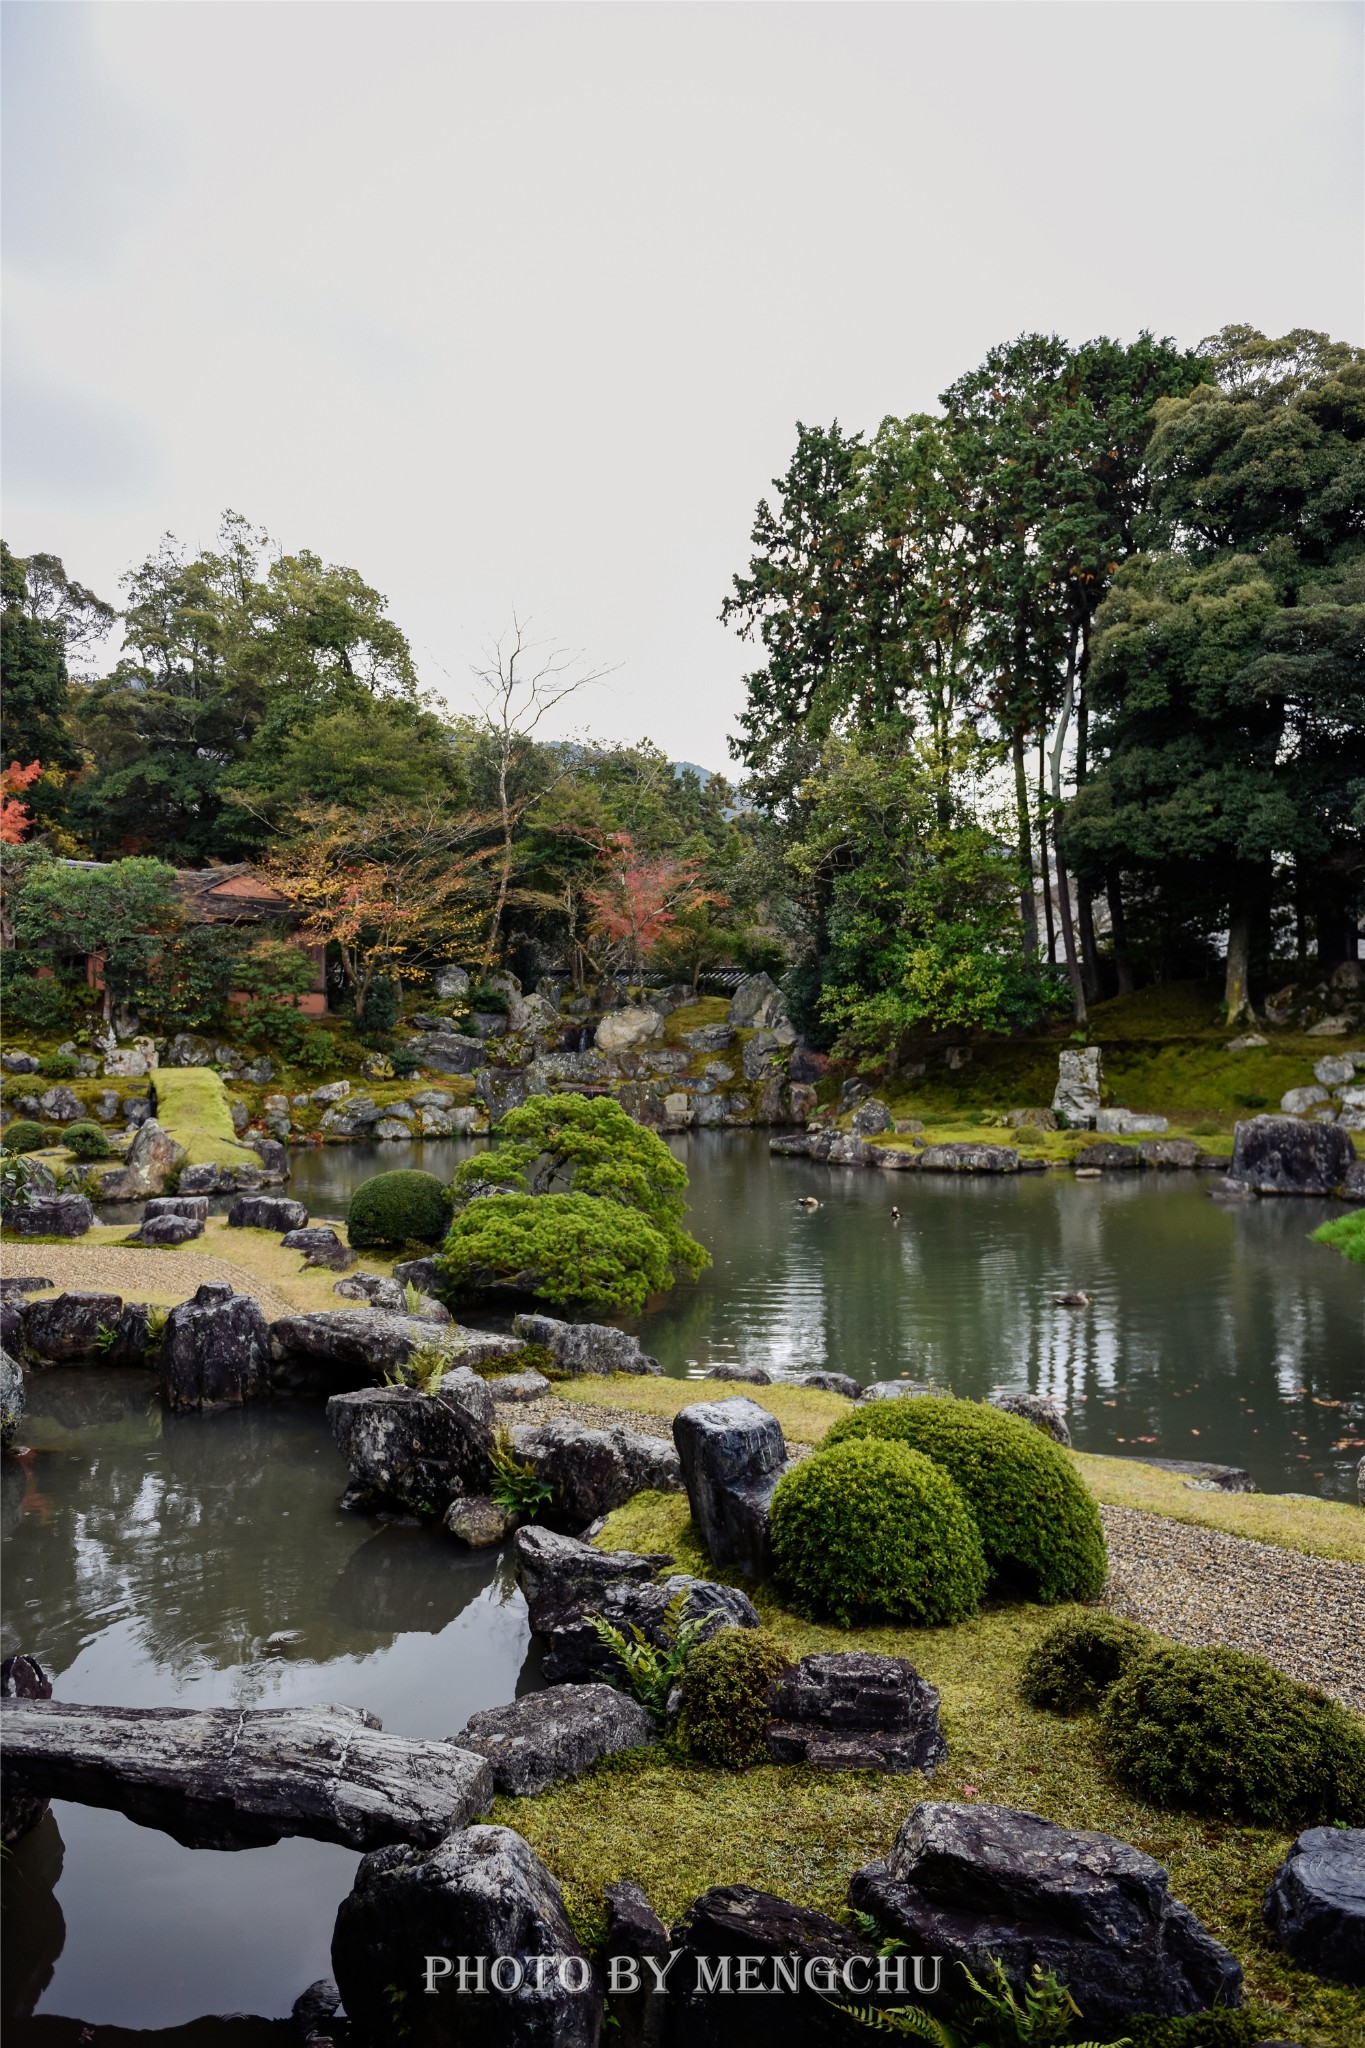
(895,1215)
(807,1202)
(1077,1300)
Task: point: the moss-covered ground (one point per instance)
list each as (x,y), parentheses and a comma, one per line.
(1345,1234)
(677,1826)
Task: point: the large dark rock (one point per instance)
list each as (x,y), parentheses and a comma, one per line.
(274,1158)
(382,1292)
(212,1179)
(418,1450)
(829,1383)
(267,1212)
(549,1736)
(852,1710)
(322,1247)
(710,1038)
(744,1934)
(557,1572)
(1038,1410)
(332,1349)
(1208,1478)
(237,1776)
(177,1205)
(423,1274)
(1278,1155)
(450,1052)
(11,1397)
(593,1471)
(732,1458)
(22,1678)
(480,1892)
(70,1327)
(585,1347)
(971,1883)
(215,1350)
(634,1931)
(870,1118)
(575,1652)
(148,1164)
(807,1064)
(13,1315)
(1316,1903)
(969,1159)
(1108,1157)
(51,1216)
(169,1229)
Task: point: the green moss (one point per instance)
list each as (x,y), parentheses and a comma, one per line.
(1076,1662)
(1040,1527)
(1346,1234)
(727,1688)
(192,1107)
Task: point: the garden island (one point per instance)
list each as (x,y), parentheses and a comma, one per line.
(646,1407)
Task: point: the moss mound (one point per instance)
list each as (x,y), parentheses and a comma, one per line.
(398,1208)
(86,1141)
(1039,1524)
(1221,1732)
(727,1688)
(871,1529)
(1076,1662)
(23,1137)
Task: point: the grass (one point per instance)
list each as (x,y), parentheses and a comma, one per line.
(1323,1528)
(1346,1234)
(677,1826)
(192,1107)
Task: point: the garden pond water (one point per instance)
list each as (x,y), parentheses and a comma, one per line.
(202,1560)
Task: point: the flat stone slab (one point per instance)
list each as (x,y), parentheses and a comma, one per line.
(549,1736)
(855,1710)
(1316,1903)
(235,1778)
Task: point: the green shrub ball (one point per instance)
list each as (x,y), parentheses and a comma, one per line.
(727,1689)
(1077,1661)
(59,1066)
(872,1530)
(23,1137)
(405,1207)
(86,1141)
(1039,1525)
(1221,1732)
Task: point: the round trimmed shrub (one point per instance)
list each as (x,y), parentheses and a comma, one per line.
(727,1689)
(871,1530)
(86,1141)
(566,1249)
(1073,1666)
(23,1137)
(59,1066)
(404,1207)
(1039,1525)
(1222,1732)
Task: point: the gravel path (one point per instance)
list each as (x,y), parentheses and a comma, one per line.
(135,1274)
(1203,1586)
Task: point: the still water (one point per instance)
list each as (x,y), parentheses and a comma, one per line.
(202,1560)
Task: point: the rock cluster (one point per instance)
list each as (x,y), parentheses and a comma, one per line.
(852,1710)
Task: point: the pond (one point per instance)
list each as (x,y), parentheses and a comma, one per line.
(202,1560)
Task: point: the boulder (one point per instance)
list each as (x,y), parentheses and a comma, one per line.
(751,1375)
(846,1149)
(557,1572)
(534,1014)
(13,1312)
(830,1383)
(633,1932)
(127,1064)
(169,1229)
(871,1118)
(68,1327)
(593,1471)
(519,1387)
(51,1216)
(1299,1101)
(150,1160)
(762,1056)
(899,1390)
(478,1520)
(420,1451)
(178,1205)
(332,1349)
(188,1049)
(321,1247)
(968,1159)
(210,1179)
(350,1118)
(215,1350)
(1277,1155)
(1108,1157)
(1316,1903)
(11,1397)
(546,1737)
(744,1935)
(1076,1099)
(585,1347)
(623,1030)
(895,1159)
(331,1091)
(1127,1123)
(807,1064)
(479,1893)
(732,1456)
(710,1038)
(267,1212)
(1168,1155)
(972,1883)
(1198,1472)
(1038,1410)
(19,1063)
(422,1274)
(274,1158)
(382,1292)
(853,1710)
(1335,1070)
(575,1651)
(759,1004)
(451,983)
(802,1102)
(60,1106)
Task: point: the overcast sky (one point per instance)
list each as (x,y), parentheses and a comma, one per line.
(519,304)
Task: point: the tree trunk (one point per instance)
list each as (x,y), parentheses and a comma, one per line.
(1237,982)
(1028,909)
(1073,970)
(1042,854)
(1118,925)
(1090,955)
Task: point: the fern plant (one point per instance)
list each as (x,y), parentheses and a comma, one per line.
(424,1368)
(412,1297)
(651,1670)
(105,1338)
(1043,2018)
(517,1487)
